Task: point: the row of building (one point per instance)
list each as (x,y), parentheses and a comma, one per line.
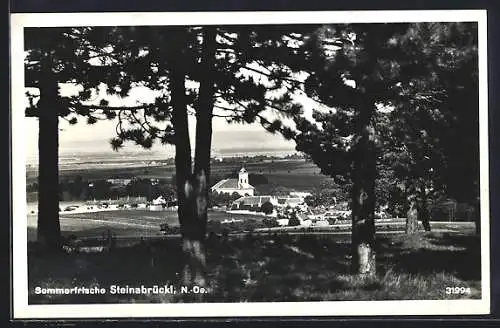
(248,198)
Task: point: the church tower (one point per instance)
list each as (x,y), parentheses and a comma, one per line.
(243,178)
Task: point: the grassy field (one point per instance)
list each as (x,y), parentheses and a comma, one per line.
(139,223)
(269,268)
(291,173)
(124,223)
(156,171)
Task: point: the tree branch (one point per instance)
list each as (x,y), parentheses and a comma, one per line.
(113,108)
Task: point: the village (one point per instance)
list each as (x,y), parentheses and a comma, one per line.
(235,201)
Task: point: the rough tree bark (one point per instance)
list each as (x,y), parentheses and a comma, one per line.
(363,204)
(49,230)
(204,124)
(183,169)
(201,176)
(412,218)
(406,203)
(193,185)
(423,211)
(477,216)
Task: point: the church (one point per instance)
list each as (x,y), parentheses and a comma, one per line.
(230,186)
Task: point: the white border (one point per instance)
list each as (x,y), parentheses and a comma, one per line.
(355,308)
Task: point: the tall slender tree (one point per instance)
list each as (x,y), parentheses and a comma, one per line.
(51,59)
(71,57)
(354,80)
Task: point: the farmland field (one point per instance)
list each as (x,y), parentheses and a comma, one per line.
(134,224)
(289,173)
(295,174)
(123,223)
(156,171)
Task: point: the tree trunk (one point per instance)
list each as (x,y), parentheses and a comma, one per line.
(49,230)
(406,206)
(204,125)
(423,211)
(363,205)
(183,166)
(202,154)
(477,216)
(193,187)
(412,219)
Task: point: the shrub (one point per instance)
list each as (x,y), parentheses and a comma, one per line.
(267,207)
(214,226)
(270,223)
(332,220)
(250,225)
(165,228)
(293,221)
(310,201)
(255,208)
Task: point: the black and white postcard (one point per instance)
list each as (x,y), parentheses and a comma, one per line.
(222,164)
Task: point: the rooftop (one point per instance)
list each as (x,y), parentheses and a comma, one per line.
(229,184)
(252,200)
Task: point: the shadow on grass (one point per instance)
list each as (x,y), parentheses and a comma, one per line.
(277,268)
(151,263)
(427,253)
(268,268)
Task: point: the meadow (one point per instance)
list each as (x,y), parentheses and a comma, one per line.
(268,268)
(288,173)
(126,224)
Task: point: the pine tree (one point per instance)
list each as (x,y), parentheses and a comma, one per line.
(353,80)
(403,70)
(437,111)
(238,73)
(56,57)
(51,59)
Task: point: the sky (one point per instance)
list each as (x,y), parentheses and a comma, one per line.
(84,138)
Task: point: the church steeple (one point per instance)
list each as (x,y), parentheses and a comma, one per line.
(243,178)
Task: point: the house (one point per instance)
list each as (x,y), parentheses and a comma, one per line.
(304,219)
(282,222)
(118,182)
(239,186)
(254,202)
(157,207)
(159,201)
(300,194)
(247,202)
(292,202)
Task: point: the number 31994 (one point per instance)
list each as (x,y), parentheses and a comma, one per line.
(457,290)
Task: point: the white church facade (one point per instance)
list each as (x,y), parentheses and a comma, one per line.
(239,186)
